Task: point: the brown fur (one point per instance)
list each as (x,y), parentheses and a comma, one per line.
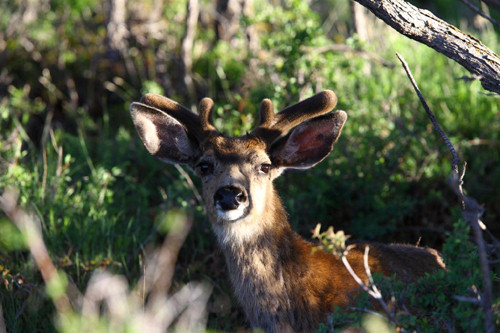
(300,286)
(280,282)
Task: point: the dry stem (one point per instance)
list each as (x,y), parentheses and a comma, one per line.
(371,288)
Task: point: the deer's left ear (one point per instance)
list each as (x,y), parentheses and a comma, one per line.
(309,143)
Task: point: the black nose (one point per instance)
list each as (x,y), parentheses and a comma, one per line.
(230,197)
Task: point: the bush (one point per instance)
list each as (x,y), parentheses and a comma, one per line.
(437,302)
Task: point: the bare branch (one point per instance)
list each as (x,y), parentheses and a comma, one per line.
(371,288)
(453,152)
(471,210)
(424,27)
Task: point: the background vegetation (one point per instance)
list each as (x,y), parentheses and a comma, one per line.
(69,70)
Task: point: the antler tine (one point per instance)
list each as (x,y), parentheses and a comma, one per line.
(206,109)
(266,112)
(312,107)
(189,119)
(273,126)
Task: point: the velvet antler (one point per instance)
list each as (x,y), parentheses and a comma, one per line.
(273,126)
(197,125)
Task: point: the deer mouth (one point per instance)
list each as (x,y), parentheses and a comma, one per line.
(231,215)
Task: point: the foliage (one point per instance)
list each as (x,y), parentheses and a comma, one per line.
(330,241)
(433,303)
(68,145)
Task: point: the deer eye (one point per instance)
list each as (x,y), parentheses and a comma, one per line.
(205,168)
(264,168)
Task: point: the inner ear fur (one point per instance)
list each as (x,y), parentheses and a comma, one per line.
(162,135)
(309,143)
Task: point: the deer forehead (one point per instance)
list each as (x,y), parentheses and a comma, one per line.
(235,150)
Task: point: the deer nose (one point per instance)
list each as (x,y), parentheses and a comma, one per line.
(230,197)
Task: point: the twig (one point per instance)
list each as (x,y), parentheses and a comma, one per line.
(480,12)
(456,159)
(371,288)
(471,210)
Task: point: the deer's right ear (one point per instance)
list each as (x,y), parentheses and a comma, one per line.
(162,135)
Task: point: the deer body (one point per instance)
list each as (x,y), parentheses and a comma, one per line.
(280,282)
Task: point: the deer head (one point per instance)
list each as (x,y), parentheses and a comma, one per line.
(236,172)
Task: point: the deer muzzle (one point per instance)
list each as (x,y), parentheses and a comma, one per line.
(231,202)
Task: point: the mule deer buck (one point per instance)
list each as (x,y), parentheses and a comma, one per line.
(280,282)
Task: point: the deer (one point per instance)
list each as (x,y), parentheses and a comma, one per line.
(281,284)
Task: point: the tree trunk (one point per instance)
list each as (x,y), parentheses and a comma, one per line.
(117,31)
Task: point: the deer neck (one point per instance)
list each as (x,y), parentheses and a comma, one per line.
(257,261)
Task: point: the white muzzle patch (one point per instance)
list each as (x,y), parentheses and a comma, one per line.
(230,215)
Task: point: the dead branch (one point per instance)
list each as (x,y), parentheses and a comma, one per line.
(453,152)
(471,210)
(424,27)
(371,288)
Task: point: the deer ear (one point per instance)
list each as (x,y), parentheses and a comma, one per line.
(162,135)
(309,143)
